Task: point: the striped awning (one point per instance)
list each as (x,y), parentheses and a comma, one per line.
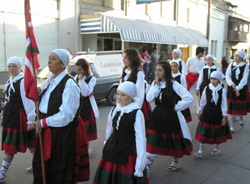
(134,30)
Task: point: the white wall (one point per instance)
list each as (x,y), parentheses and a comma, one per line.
(217,31)
(12,28)
(89,42)
(69,27)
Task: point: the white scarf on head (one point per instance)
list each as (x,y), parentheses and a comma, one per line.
(126,109)
(215,95)
(10,83)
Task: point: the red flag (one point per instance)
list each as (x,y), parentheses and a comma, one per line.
(31,59)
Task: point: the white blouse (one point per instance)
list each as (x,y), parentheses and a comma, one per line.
(183,79)
(203,101)
(140,138)
(140,89)
(70,101)
(28,104)
(194,64)
(186,101)
(200,79)
(87,90)
(244,79)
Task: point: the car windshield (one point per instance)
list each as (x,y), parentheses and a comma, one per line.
(44,73)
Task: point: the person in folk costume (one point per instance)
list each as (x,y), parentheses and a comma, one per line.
(132,72)
(204,77)
(168,133)
(124,153)
(237,92)
(146,107)
(89,112)
(19,115)
(176,53)
(65,143)
(177,76)
(213,126)
(194,66)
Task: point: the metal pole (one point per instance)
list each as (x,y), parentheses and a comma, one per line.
(208,18)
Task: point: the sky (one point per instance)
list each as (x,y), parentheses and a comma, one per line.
(243,7)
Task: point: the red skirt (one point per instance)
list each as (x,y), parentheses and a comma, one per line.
(187,115)
(18,140)
(146,110)
(81,169)
(191,79)
(111,173)
(168,145)
(212,133)
(90,127)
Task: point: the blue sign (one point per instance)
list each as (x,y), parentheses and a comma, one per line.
(147,1)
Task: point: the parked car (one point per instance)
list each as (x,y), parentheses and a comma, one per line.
(105,66)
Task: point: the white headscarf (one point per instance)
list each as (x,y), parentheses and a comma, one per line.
(64,55)
(128,88)
(177,51)
(217,75)
(210,56)
(15,60)
(241,54)
(215,96)
(175,61)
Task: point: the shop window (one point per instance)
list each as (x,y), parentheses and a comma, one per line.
(108,44)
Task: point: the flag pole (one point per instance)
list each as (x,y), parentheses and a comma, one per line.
(39,132)
(29,30)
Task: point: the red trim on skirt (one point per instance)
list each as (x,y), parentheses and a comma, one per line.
(91,121)
(146,109)
(207,140)
(169,152)
(188,119)
(81,171)
(13,149)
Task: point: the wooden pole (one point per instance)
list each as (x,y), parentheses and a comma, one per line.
(41,146)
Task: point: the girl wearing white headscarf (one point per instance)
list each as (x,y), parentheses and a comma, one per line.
(64,141)
(204,77)
(18,132)
(125,148)
(238,96)
(213,126)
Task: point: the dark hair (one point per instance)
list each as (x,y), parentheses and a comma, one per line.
(84,65)
(154,48)
(168,75)
(199,50)
(144,50)
(135,61)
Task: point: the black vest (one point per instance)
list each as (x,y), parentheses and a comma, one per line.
(85,109)
(121,144)
(233,72)
(11,111)
(55,100)
(212,113)
(133,80)
(180,66)
(178,79)
(206,79)
(230,91)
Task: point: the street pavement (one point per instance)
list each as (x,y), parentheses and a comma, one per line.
(231,167)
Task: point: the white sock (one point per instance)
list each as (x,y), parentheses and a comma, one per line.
(4,168)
